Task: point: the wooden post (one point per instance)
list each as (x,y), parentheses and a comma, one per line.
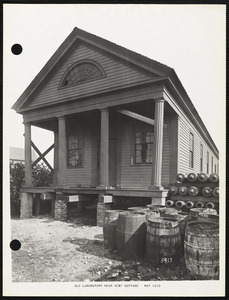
(28,160)
(56,159)
(104,149)
(157,146)
(62,150)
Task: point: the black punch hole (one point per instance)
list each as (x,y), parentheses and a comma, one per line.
(15,245)
(16,49)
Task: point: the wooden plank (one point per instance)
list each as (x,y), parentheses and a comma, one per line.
(94,102)
(43,158)
(43,155)
(136,116)
(173,150)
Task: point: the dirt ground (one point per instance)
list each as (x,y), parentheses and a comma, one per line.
(72,251)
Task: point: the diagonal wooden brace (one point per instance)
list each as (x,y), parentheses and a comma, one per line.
(42,155)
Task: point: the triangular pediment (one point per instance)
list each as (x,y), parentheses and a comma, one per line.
(119,67)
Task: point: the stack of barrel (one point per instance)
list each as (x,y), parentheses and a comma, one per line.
(194,190)
(165,236)
(150,231)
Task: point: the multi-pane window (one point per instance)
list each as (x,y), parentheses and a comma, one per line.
(207,162)
(75,151)
(201,158)
(143,147)
(191,150)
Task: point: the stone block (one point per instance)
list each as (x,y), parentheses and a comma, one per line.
(26,209)
(158,201)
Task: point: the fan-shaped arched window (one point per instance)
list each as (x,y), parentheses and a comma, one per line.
(82,72)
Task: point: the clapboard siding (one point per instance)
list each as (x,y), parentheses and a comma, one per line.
(82,176)
(183,147)
(116,74)
(139,176)
(185,128)
(165,178)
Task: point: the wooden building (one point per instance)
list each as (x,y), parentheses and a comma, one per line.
(123,126)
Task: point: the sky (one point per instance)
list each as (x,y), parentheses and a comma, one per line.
(188,38)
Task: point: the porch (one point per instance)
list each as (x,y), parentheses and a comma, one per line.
(103,169)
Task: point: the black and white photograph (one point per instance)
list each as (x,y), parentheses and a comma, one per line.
(114,139)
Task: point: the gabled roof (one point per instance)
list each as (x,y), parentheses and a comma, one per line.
(77,35)
(132,57)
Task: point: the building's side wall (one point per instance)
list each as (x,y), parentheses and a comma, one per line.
(185,128)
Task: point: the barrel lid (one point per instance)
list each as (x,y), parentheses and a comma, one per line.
(132,213)
(115,211)
(210,217)
(162,222)
(196,211)
(168,211)
(138,208)
(200,227)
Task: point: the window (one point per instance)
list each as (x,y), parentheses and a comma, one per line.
(201,158)
(82,72)
(207,162)
(212,164)
(75,151)
(143,147)
(191,149)
(215,169)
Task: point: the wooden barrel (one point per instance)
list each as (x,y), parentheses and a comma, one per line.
(163,241)
(155,208)
(194,212)
(183,190)
(169,203)
(152,214)
(214,177)
(173,190)
(189,204)
(192,177)
(167,211)
(199,204)
(131,234)
(138,208)
(202,177)
(201,249)
(215,192)
(181,177)
(183,219)
(205,217)
(180,204)
(109,228)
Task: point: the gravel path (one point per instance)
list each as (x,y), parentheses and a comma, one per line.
(72,252)
(58,251)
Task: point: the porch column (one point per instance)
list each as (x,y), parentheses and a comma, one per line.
(62,150)
(104,149)
(28,159)
(157,146)
(56,158)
